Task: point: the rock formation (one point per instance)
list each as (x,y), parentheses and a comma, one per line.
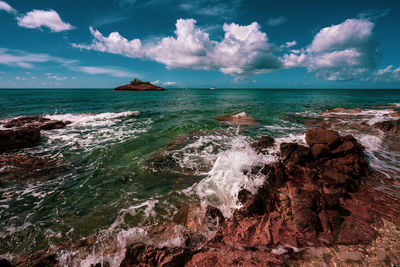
(315,196)
(137,85)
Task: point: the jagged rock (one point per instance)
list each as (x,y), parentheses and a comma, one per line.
(18,138)
(388,126)
(229,257)
(142,255)
(262,144)
(36,121)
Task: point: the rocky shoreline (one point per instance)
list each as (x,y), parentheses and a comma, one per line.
(318,196)
(318,205)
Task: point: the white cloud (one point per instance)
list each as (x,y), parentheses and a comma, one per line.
(57,78)
(46,18)
(6,7)
(276,21)
(340,52)
(106,70)
(158,82)
(27,60)
(388,74)
(244,50)
(215,8)
(289,44)
(114,44)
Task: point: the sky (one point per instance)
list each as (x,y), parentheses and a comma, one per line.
(177,43)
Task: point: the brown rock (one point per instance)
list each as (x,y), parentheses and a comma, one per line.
(229,257)
(322,136)
(241,118)
(262,144)
(388,126)
(142,255)
(138,85)
(18,138)
(17,167)
(36,121)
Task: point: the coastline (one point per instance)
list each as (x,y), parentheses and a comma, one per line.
(240,239)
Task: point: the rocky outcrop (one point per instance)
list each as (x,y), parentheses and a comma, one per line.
(139,86)
(25,131)
(241,118)
(342,110)
(18,138)
(142,255)
(315,196)
(37,122)
(388,126)
(262,144)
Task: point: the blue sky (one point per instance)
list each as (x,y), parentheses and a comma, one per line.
(235,44)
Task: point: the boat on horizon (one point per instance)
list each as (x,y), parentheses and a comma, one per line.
(213,87)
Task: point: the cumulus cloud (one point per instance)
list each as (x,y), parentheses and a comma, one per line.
(276,21)
(106,70)
(114,43)
(6,7)
(43,18)
(244,50)
(340,52)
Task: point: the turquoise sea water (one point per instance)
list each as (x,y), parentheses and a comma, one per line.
(116,179)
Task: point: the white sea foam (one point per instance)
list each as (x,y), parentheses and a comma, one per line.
(222,185)
(90,131)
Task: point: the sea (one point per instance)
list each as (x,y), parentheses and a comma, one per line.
(131,161)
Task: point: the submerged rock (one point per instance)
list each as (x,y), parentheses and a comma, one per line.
(19,167)
(18,138)
(241,118)
(342,110)
(36,121)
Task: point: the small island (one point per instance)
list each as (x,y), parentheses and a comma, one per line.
(138,85)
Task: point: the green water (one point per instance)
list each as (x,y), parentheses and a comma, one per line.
(108,182)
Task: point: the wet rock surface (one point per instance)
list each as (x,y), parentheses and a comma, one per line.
(18,138)
(19,167)
(36,121)
(236,119)
(262,144)
(315,196)
(25,131)
(388,126)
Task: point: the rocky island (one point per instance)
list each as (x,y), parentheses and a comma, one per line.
(138,85)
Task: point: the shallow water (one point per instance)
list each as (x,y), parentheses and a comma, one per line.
(118,181)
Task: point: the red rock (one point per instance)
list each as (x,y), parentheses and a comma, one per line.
(17,167)
(240,118)
(355,231)
(18,138)
(262,144)
(139,86)
(36,121)
(142,255)
(228,257)
(322,136)
(388,126)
